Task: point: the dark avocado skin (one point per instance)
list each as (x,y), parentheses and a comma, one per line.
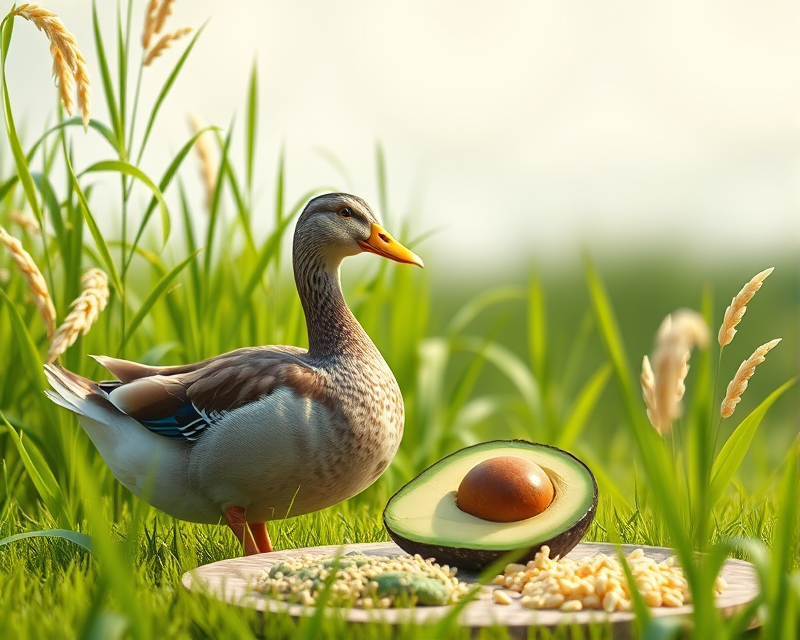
(477,559)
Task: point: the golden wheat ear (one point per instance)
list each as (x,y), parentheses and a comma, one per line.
(34,279)
(164,12)
(164,43)
(149,23)
(69,65)
(743,374)
(206,156)
(737,307)
(677,336)
(85,310)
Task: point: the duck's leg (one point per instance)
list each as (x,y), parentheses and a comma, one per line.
(261,536)
(254,536)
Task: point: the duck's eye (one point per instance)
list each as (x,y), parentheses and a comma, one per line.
(346,212)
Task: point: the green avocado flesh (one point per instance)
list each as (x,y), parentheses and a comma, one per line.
(423,517)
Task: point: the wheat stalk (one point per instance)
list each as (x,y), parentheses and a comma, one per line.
(68,61)
(735,311)
(164,43)
(34,278)
(677,335)
(149,23)
(85,310)
(207,164)
(743,374)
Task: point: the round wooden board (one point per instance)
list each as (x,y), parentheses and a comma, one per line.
(231,580)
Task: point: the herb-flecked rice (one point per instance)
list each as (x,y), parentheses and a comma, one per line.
(359,580)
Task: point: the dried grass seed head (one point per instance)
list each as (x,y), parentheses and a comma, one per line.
(678,334)
(164,43)
(149,23)
(737,307)
(743,374)
(34,279)
(68,61)
(205,153)
(648,383)
(164,12)
(25,221)
(84,91)
(86,309)
(65,81)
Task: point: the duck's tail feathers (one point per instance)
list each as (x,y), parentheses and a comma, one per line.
(73,392)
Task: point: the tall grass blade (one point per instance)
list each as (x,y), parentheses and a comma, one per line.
(242,208)
(265,254)
(30,361)
(383,189)
(664,629)
(537,329)
(477,305)
(81,539)
(609,330)
(42,477)
(733,451)
(213,214)
(77,121)
(270,247)
(11,130)
(153,297)
(651,447)
(7,186)
(280,187)
(128,169)
(53,208)
(166,179)
(784,547)
(583,407)
(251,132)
(108,85)
(173,76)
(643,615)
(122,69)
(116,571)
(99,240)
(509,364)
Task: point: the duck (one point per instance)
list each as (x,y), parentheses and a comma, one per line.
(259,433)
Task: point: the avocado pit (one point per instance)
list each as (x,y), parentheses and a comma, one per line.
(505,489)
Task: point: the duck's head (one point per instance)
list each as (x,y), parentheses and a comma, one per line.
(338,225)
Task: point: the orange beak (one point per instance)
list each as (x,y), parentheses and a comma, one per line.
(383,244)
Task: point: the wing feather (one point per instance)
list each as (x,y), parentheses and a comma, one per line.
(182,402)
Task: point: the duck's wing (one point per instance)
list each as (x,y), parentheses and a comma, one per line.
(182,402)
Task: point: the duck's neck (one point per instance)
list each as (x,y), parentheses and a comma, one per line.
(333,330)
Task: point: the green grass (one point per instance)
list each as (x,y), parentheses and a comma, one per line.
(551,358)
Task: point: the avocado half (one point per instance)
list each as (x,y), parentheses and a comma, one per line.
(423,516)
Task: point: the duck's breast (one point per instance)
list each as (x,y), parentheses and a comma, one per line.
(281,454)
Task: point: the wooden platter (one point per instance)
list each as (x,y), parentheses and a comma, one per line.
(231,580)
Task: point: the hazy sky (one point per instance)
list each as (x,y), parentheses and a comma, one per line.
(524,129)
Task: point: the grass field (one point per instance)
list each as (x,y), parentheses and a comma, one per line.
(549,357)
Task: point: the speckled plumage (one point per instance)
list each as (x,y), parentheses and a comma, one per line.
(271,430)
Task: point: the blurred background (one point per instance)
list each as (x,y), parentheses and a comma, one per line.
(525,131)
(661,139)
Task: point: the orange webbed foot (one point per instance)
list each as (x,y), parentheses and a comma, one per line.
(253,536)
